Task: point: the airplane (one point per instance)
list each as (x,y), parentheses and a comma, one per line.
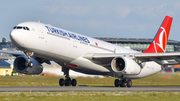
(44,43)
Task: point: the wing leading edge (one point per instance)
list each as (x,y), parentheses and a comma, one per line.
(105,59)
(14,53)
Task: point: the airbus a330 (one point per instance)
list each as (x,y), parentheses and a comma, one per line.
(44,43)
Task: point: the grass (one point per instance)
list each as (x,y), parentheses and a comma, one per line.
(28,80)
(90,96)
(154,80)
(159,80)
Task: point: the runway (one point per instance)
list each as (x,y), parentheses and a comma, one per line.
(89,88)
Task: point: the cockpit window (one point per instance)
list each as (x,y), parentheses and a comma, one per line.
(24,28)
(27,28)
(15,27)
(18,27)
(21,27)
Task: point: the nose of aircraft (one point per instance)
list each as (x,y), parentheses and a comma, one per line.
(11,35)
(15,37)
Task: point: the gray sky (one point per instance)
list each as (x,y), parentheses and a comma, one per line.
(95,18)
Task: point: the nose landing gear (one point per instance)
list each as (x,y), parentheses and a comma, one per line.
(28,54)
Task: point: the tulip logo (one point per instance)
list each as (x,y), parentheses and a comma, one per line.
(162,39)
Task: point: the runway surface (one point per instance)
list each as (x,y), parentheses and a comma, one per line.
(88,88)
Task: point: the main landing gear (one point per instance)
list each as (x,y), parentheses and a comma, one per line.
(123,83)
(67,81)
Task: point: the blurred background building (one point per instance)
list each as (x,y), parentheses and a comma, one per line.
(141,44)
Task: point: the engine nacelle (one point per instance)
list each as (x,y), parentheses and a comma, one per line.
(20,65)
(124,65)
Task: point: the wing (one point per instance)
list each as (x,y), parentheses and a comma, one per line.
(14,53)
(106,58)
(19,53)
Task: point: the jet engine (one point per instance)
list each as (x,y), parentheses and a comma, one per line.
(21,65)
(124,65)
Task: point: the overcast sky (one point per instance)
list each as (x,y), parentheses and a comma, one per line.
(95,18)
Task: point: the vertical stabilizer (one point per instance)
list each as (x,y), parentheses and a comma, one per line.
(160,40)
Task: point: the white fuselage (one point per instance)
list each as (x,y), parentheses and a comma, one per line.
(67,48)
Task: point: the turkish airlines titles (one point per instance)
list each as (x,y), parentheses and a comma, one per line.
(67,34)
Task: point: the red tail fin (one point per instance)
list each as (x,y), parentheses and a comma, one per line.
(159,43)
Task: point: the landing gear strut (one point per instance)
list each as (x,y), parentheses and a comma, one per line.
(67,81)
(123,83)
(29,54)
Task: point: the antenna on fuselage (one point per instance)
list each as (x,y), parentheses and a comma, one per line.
(39,21)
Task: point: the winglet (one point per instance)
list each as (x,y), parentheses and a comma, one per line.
(160,41)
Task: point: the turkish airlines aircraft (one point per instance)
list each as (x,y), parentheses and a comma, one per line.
(42,43)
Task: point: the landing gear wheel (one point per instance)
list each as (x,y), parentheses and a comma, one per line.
(29,64)
(116,83)
(123,83)
(61,82)
(67,82)
(129,83)
(73,82)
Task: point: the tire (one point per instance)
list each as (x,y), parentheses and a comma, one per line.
(30,64)
(73,82)
(67,82)
(129,83)
(123,84)
(116,83)
(61,82)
